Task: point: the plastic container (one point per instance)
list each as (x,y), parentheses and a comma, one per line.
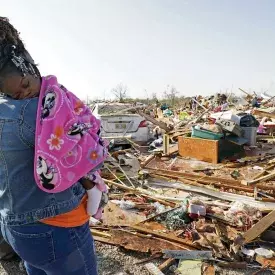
(250,133)
(205,134)
(94,199)
(228,115)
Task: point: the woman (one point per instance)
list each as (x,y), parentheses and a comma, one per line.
(50,232)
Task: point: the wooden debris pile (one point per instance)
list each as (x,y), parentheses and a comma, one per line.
(195,204)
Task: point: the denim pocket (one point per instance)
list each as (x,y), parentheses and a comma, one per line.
(37,248)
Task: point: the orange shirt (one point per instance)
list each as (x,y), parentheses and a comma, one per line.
(74,218)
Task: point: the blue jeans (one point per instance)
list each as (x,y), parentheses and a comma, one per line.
(50,250)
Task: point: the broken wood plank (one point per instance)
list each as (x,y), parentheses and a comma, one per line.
(201,149)
(245,92)
(186,245)
(235,265)
(161,124)
(259,175)
(100,234)
(147,161)
(152,269)
(161,201)
(196,176)
(139,242)
(263,114)
(188,255)
(140,192)
(104,240)
(263,206)
(261,179)
(206,179)
(166,264)
(259,227)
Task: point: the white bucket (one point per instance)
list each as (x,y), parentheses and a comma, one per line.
(250,133)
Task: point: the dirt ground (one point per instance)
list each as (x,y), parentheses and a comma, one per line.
(115,261)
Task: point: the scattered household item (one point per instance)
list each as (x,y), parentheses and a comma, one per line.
(266,253)
(199,132)
(250,133)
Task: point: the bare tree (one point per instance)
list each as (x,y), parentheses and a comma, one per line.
(154,98)
(120,92)
(171,94)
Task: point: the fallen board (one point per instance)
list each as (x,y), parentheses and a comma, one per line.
(152,269)
(201,149)
(259,227)
(188,255)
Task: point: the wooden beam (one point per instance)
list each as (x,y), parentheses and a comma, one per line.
(147,160)
(198,182)
(161,124)
(205,179)
(136,191)
(152,269)
(166,264)
(210,179)
(263,114)
(259,227)
(261,179)
(186,245)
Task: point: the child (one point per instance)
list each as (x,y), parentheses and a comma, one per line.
(68,145)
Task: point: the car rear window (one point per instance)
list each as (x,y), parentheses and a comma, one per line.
(109,109)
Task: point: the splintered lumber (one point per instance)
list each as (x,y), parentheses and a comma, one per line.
(123,187)
(138,191)
(104,240)
(207,179)
(261,179)
(263,206)
(259,175)
(235,265)
(166,203)
(161,124)
(259,227)
(183,243)
(244,92)
(152,269)
(100,234)
(263,114)
(166,264)
(193,176)
(147,161)
(201,115)
(201,149)
(216,184)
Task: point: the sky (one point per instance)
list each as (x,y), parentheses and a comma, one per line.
(197,46)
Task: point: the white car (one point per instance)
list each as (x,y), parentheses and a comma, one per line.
(117,123)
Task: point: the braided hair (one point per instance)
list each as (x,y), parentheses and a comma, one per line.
(14,58)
